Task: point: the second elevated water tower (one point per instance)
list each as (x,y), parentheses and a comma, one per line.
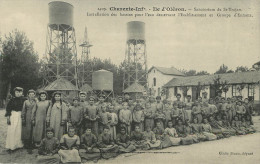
(135,65)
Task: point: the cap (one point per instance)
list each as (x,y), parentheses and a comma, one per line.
(31,91)
(18,89)
(43,92)
(76,98)
(82,93)
(102,95)
(158,97)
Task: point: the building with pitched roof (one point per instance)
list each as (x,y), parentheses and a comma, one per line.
(239,84)
(68,90)
(159,76)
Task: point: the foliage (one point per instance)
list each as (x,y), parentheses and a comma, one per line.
(223,69)
(19,63)
(241,69)
(193,72)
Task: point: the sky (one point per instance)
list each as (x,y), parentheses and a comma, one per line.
(182,42)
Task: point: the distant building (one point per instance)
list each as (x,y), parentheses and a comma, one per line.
(159,76)
(239,84)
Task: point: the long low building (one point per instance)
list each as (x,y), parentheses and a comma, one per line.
(239,84)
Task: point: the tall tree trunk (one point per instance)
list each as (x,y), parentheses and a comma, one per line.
(8,92)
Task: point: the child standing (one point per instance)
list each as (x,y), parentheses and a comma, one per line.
(138,117)
(168,109)
(125,117)
(75,115)
(57,115)
(26,120)
(148,116)
(39,114)
(91,116)
(69,147)
(113,120)
(14,120)
(49,148)
(104,118)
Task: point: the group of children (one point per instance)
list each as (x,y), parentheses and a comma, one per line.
(89,130)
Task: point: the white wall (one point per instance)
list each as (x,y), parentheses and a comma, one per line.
(161,80)
(228,94)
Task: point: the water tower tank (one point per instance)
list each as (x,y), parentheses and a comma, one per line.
(136,30)
(102,80)
(60,13)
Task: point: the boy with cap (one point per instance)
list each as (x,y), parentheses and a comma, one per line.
(101,102)
(83,101)
(26,120)
(75,116)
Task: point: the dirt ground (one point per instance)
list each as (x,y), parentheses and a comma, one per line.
(237,149)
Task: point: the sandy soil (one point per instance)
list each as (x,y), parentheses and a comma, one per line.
(245,149)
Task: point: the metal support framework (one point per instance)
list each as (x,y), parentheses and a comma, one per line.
(106,93)
(85,68)
(61,54)
(135,65)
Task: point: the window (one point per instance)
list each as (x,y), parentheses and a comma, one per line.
(251,92)
(234,90)
(159,91)
(153,71)
(154,81)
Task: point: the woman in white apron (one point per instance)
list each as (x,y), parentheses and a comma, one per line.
(14,120)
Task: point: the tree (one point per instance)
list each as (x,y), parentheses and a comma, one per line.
(202,73)
(223,69)
(193,72)
(241,69)
(19,62)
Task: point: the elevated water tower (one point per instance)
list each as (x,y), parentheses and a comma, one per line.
(61,53)
(135,64)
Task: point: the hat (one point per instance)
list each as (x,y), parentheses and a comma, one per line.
(18,89)
(91,97)
(102,95)
(75,98)
(82,93)
(158,97)
(43,92)
(204,92)
(31,91)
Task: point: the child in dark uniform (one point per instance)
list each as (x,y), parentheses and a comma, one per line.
(75,115)
(49,148)
(26,120)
